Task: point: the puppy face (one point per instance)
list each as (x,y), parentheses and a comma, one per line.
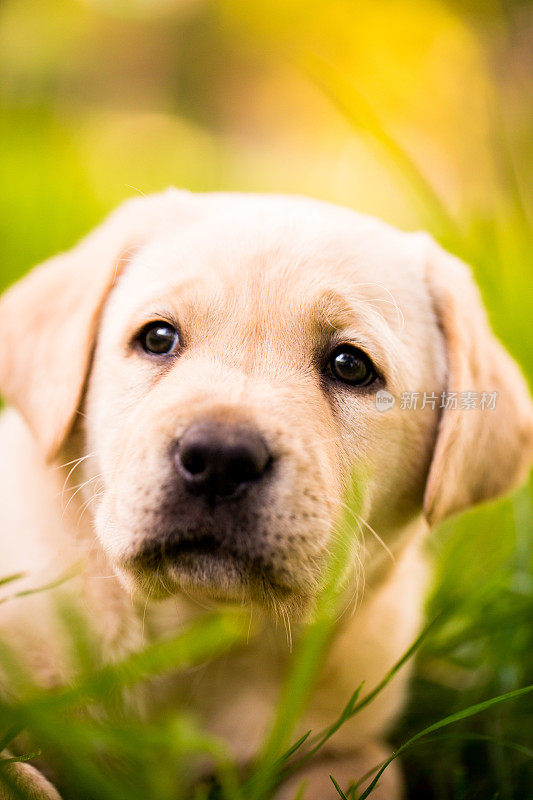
(232,392)
(268,306)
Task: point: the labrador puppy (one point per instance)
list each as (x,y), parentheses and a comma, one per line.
(205,373)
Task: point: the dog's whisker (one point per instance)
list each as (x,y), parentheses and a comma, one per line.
(87,504)
(135,189)
(84,483)
(163,584)
(358,583)
(150,590)
(250,623)
(80,487)
(377,537)
(392,300)
(358,518)
(75,461)
(287,622)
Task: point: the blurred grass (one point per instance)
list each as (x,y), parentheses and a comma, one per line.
(100,744)
(416,111)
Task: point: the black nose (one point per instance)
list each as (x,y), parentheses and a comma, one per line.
(218,459)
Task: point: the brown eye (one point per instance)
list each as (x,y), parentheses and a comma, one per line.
(159,338)
(352,366)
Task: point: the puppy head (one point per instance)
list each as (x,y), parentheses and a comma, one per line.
(234,348)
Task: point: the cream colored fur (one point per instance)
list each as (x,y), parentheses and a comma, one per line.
(260,286)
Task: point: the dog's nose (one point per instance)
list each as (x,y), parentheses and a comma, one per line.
(218,460)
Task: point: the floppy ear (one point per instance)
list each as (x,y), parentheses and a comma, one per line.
(480,452)
(49,319)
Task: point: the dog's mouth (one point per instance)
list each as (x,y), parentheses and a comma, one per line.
(206,567)
(157,553)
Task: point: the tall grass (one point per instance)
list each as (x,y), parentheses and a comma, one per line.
(101,745)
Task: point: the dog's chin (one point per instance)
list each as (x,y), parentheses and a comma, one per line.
(203,572)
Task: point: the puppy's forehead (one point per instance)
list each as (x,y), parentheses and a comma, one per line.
(278,249)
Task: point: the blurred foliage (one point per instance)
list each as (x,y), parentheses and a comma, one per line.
(104,741)
(419,112)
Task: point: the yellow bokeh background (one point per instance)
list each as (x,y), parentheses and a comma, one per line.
(402,109)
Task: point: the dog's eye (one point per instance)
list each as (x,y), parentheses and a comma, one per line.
(159,338)
(351,365)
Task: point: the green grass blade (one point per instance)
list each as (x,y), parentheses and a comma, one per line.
(10,578)
(352,707)
(66,576)
(325,735)
(399,664)
(449,720)
(338,788)
(19,759)
(293,749)
(309,656)
(300,792)
(11,734)
(209,636)
(479,737)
